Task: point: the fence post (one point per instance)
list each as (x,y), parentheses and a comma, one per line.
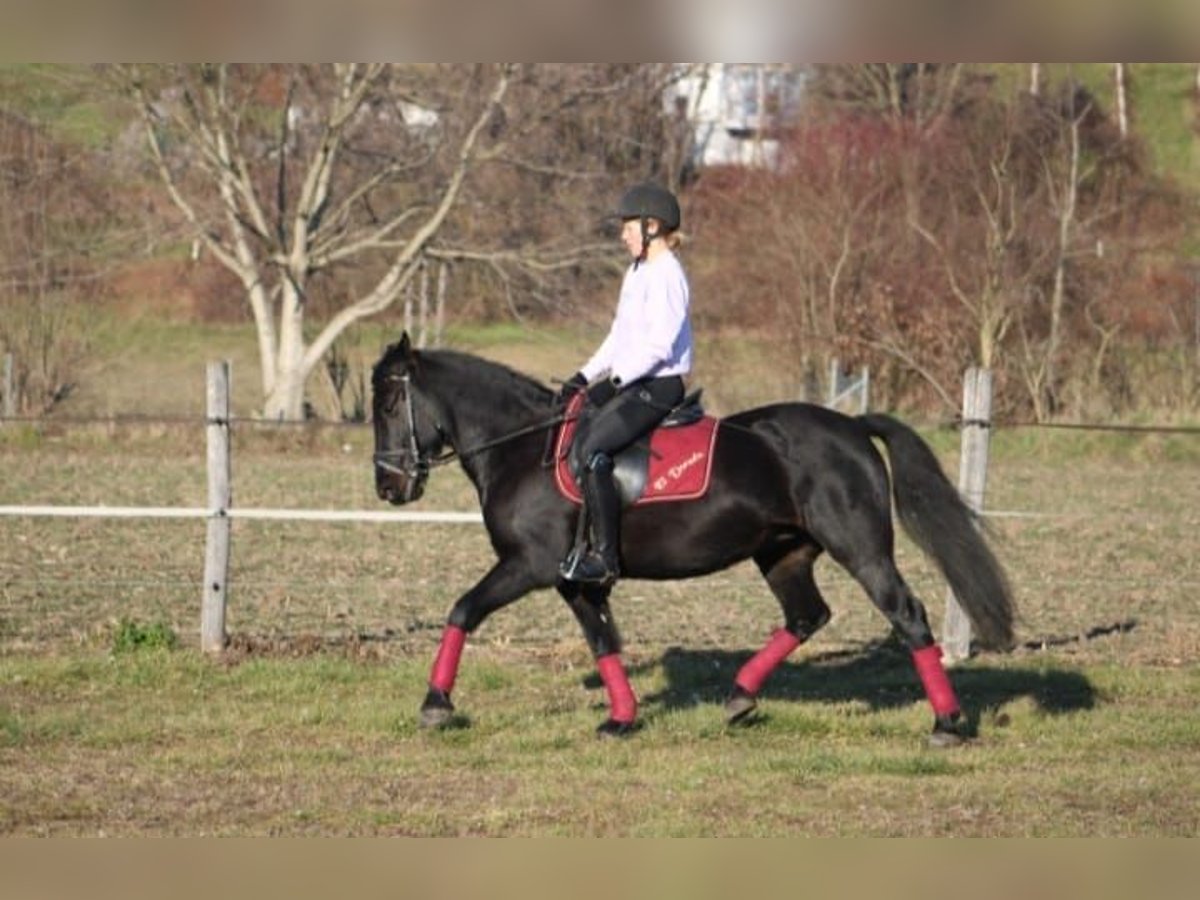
(10,393)
(972,479)
(216,545)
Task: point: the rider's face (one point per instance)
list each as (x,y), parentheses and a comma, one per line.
(631,235)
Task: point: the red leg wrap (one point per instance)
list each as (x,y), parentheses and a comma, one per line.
(445,667)
(933,677)
(621,700)
(754,673)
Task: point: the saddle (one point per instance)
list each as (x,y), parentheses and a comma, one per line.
(674,463)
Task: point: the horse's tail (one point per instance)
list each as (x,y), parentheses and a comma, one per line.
(943,526)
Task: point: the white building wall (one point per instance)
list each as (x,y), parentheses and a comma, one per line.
(733,109)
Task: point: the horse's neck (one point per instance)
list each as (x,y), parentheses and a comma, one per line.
(487,404)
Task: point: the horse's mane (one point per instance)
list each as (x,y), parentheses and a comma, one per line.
(478,371)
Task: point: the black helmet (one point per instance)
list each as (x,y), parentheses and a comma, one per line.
(648,200)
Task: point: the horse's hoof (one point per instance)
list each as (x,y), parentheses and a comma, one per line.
(437,711)
(739,706)
(436,717)
(941,740)
(947,732)
(611,728)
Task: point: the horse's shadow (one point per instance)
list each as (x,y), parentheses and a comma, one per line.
(879,674)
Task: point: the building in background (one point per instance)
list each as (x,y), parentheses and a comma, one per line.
(736,111)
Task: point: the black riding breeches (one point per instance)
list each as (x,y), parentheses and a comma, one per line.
(632,413)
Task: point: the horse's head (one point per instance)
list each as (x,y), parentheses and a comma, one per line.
(408,438)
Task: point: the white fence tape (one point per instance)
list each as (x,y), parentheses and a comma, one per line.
(195,512)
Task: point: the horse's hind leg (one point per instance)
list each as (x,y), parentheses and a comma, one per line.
(589,603)
(854,525)
(789,571)
(892,595)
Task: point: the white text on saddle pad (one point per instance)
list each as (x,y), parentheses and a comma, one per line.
(676,471)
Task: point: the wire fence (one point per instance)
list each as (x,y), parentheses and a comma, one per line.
(1091,545)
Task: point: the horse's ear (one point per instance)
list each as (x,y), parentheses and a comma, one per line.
(405,345)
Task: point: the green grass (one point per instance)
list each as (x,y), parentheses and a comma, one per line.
(309,726)
(1162,106)
(1164,110)
(63,98)
(132,636)
(175,744)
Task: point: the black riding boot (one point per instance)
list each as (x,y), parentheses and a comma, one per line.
(598,564)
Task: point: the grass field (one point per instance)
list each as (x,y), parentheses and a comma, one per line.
(309,725)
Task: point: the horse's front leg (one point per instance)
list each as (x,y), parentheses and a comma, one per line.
(590,606)
(509,580)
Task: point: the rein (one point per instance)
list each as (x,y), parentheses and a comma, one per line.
(496,442)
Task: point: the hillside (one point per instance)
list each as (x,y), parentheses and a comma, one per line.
(154,315)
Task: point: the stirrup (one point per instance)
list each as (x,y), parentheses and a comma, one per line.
(587,567)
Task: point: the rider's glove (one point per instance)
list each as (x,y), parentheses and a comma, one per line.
(603,391)
(570,387)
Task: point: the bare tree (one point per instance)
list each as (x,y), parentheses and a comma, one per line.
(919,94)
(1014,237)
(975,258)
(331,188)
(1063,179)
(280,211)
(53,218)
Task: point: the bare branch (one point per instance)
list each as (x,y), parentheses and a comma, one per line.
(407,260)
(211,240)
(355,82)
(334,222)
(349,245)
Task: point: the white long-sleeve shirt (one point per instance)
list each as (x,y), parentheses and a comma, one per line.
(651,334)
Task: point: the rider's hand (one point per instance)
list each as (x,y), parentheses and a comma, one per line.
(603,391)
(571,387)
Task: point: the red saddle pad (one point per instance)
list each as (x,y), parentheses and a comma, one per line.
(680,462)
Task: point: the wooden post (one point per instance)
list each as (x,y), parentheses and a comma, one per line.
(10,393)
(220,497)
(972,480)
(864,391)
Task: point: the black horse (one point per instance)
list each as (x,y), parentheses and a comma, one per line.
(789,482)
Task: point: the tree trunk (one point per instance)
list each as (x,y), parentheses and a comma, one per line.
(1066,223)
(1119,75)
(285,399)
(1197,87)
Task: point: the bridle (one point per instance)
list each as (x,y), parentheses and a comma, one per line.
(411,461)
(415,464)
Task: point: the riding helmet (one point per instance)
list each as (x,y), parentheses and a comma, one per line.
(649,200)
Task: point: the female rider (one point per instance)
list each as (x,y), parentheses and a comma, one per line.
(636,376)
